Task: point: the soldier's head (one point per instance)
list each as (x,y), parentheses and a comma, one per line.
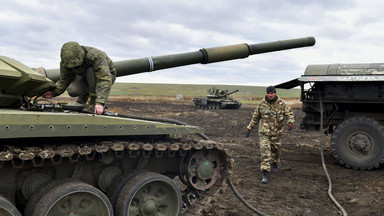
(72,55)
(271,92)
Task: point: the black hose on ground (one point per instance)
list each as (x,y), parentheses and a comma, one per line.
(243,200)
(323,161)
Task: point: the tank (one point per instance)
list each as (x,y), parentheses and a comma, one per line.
(346,101)
(217,99)
(56,159)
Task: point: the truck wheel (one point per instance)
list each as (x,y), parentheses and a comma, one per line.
(358,143)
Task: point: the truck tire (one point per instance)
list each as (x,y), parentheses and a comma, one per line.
(358,143)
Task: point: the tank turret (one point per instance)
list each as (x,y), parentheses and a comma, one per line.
(52,154)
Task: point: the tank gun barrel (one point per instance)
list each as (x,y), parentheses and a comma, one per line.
(18,80)
(203,56)
(207,55)
(229,93)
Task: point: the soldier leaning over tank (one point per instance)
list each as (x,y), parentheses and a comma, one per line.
(270,114)
(87,73)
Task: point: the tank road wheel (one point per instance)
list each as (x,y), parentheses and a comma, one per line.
(203,169)
(117,185)
(38,194)
(69,198)
(149,193)
(7,208)
(358,143)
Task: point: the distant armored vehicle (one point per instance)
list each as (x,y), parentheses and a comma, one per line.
(217,99)
(56,159)
(351,98)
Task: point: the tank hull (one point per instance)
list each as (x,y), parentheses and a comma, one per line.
(101,151)
(36,124)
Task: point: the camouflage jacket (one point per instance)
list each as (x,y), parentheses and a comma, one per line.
(100,63)
(270,117)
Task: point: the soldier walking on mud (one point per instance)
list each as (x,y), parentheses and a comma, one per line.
(270,114)
(87,73)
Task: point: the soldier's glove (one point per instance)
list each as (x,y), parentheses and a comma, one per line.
(247,133)
(290,127)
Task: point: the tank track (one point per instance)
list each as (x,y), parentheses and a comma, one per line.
(195,202)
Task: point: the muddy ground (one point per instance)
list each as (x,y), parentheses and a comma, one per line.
(298,188)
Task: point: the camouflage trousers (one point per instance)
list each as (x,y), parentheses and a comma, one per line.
(85,87)
(270,149)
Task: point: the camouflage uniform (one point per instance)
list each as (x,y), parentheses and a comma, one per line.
(85,72)
(270,116)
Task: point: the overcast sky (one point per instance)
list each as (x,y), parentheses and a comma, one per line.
(346,31)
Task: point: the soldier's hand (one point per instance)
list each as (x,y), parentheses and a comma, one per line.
(99,109)
(290,127)
(47,95)
(247,133)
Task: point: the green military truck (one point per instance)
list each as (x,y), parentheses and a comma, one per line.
(351,99)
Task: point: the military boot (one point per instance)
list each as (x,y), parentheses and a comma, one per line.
(265,177)
(274,167)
